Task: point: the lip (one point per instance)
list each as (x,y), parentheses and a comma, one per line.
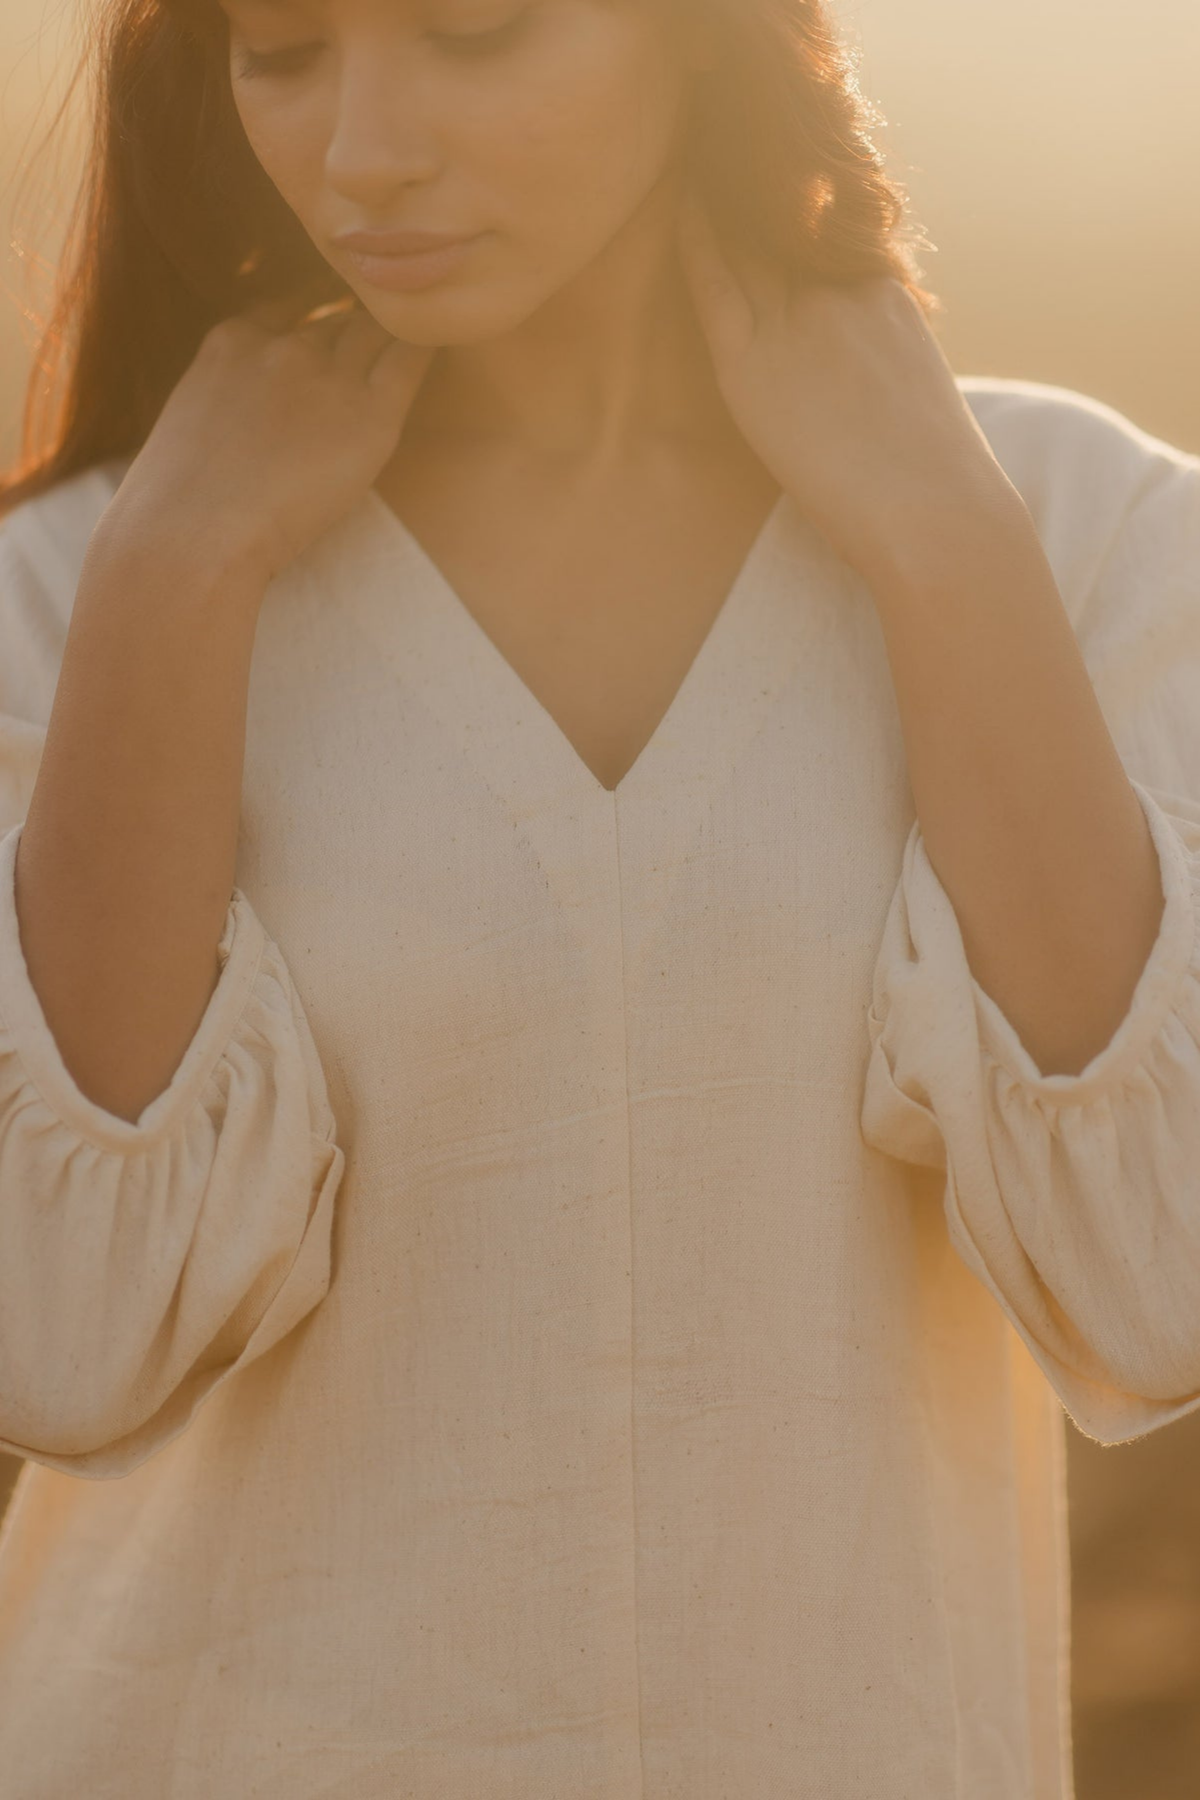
(398,243)
(413,269)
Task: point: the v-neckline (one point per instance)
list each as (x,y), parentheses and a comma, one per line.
(520,697)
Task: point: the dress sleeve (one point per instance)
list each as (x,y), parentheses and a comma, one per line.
(1075,1199)
(144,1262)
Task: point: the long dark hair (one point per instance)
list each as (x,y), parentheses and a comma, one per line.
(175,224)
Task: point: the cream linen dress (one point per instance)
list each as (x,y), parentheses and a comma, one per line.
(591,1316)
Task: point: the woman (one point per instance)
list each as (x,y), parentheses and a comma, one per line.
(698,815)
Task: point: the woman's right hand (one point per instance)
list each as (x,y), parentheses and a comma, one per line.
(272,435)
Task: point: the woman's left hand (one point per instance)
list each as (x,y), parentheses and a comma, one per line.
(845,396)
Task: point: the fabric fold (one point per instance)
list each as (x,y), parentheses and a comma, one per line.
(142,1262)
(1075,1199)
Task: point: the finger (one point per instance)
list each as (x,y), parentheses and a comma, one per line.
(295,311)
(762,282)
(721,300)
(359,341)
(323,327)
(269,315)
(399,369)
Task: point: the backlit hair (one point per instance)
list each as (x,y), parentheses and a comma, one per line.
(175,225)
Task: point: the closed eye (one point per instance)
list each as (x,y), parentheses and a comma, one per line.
(297,58)
(484,43)
(275,62)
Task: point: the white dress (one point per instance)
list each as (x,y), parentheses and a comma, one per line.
(591,1315)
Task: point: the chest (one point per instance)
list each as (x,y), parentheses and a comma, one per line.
(598,600)
(470,914)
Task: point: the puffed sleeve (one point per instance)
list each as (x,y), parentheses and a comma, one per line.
(1075,1199)
(142,1263)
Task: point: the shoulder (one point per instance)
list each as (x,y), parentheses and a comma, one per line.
(1100,489)
(43,541)
(1118,512)
(48,534)
(1054,437)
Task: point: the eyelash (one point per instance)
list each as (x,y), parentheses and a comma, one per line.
(465,44)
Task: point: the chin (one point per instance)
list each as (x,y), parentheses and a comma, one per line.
(444,314)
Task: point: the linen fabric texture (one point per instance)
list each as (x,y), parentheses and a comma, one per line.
(593,1314)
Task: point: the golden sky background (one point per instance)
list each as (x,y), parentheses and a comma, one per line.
(1051,149)
(1052,152)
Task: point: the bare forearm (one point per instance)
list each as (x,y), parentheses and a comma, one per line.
(1025,809)
(126,859)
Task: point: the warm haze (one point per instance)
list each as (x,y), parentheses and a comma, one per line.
(1052,150)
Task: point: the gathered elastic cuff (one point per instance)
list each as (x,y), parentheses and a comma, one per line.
(24,1024)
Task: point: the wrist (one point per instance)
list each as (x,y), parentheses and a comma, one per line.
(937,543)
(195,556)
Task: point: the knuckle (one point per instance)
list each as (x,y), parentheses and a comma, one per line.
(228,335)
(218,336)
(289,347)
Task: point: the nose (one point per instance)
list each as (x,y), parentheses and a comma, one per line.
(385,135)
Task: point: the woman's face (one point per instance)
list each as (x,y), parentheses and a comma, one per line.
(542,125)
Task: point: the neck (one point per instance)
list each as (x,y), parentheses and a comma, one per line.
(614,363)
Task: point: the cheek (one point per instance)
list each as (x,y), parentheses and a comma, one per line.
(287,146)
(574,154)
